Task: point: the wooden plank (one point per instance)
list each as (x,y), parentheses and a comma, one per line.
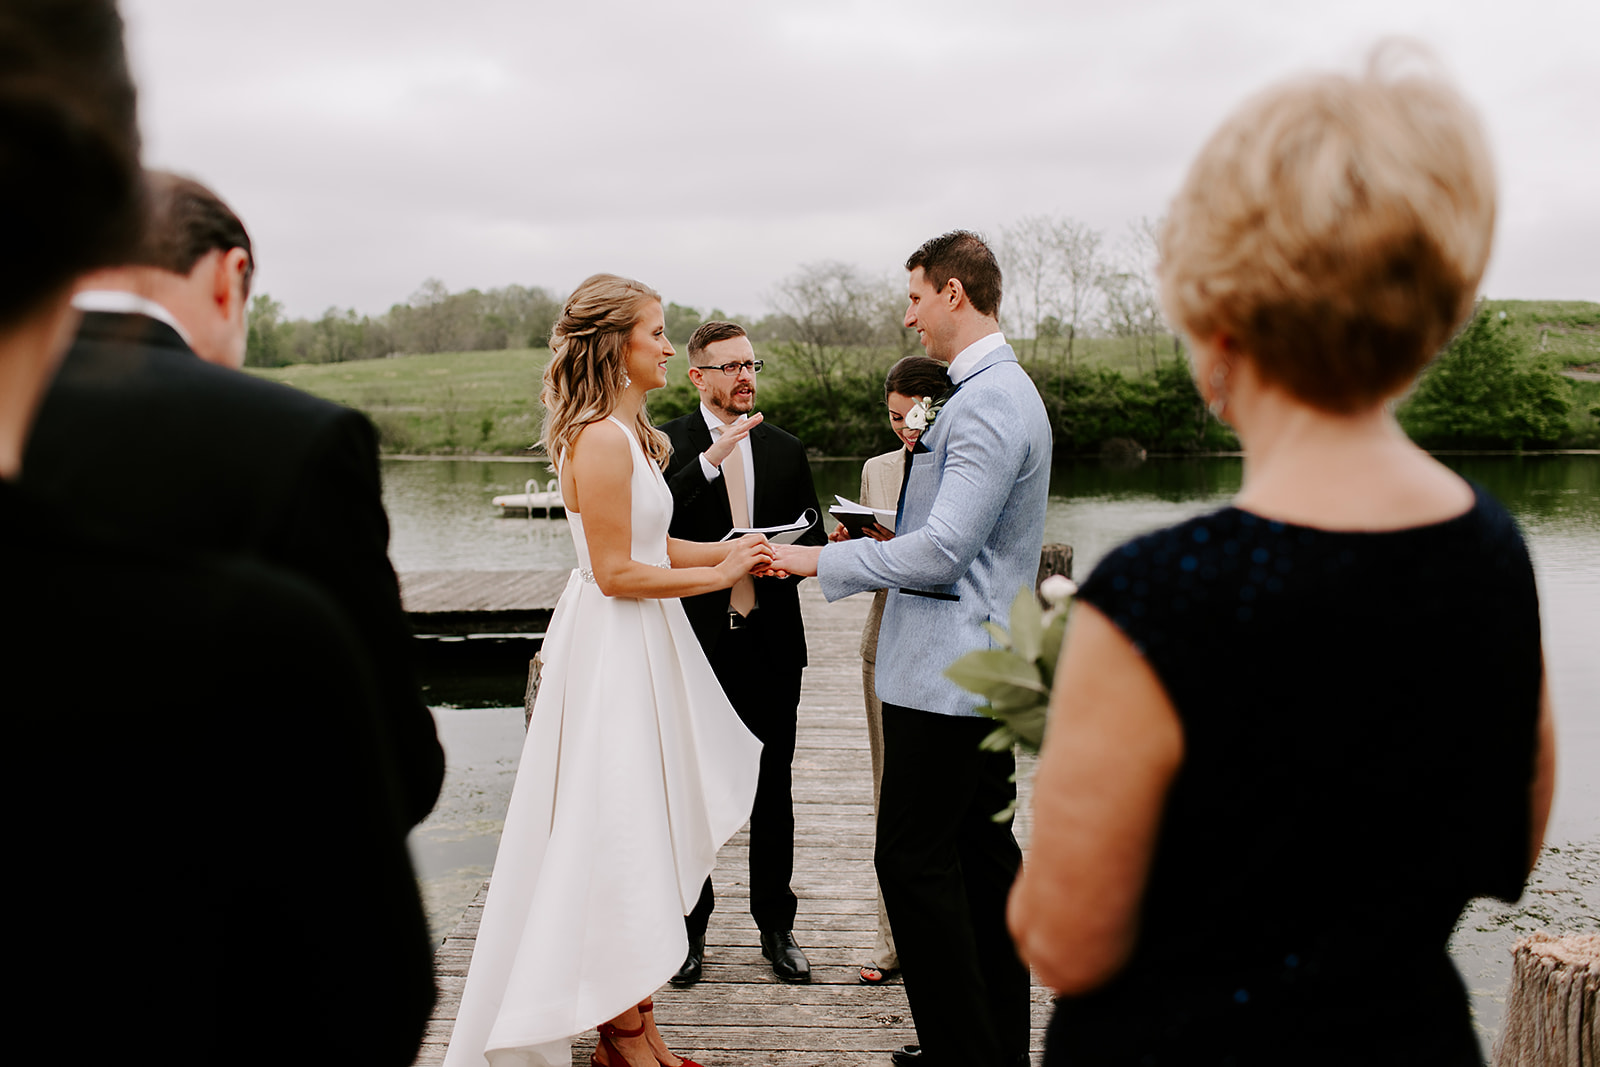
(739,1013)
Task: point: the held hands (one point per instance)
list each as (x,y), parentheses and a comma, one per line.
(732,434)
(750,554)
(798,560)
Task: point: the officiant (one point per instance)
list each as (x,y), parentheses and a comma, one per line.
(730,468)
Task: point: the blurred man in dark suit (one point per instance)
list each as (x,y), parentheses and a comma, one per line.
(150,433)
(203,809)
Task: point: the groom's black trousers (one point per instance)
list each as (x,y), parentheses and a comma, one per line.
(946,868)
(767,699)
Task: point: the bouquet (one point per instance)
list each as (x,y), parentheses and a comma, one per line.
(1015,678)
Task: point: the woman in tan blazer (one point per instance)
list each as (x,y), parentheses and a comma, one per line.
(910,382)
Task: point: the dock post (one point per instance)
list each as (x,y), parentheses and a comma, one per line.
(1551,1020)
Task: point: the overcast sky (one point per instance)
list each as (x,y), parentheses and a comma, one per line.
(710,148)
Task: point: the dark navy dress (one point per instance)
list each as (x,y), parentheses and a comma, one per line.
(1359,715)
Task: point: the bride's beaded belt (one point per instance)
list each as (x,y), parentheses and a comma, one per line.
(588,575)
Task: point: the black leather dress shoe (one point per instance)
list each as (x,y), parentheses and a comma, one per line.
(788,961)
(689,973)
(906,1056)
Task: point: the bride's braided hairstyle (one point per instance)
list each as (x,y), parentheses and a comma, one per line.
(587,370)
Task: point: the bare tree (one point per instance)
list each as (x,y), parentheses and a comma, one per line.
(828,312)
(1131,306)
(1082,264)
(1030,258)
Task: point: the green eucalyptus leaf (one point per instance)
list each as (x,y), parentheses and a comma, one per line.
(1050,653)
(1027,625)
(1000,739)
(1004,678)
(998,632)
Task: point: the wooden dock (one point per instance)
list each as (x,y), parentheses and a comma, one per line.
(740,1015)
(458,603)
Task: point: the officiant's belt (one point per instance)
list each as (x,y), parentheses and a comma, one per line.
(930,594)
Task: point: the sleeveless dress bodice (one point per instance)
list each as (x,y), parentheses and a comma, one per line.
(651,514)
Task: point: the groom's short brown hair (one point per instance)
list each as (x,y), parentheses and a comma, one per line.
(963,255)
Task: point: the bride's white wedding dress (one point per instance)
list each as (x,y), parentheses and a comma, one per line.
(635,771)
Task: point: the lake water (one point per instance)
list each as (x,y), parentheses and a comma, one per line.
(442,519)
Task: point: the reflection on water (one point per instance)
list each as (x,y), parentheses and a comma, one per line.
(442,518)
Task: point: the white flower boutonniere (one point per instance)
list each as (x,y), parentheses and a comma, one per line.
(923,412)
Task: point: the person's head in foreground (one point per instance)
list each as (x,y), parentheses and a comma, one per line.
(1330,237)
(608,348)
(69,184)
(195,260)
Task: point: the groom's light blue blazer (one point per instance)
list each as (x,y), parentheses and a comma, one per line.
(968,538)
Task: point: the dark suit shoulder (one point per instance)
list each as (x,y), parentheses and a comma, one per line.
(157,399)
(778,436)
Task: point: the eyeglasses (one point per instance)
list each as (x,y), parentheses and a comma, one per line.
(732,369)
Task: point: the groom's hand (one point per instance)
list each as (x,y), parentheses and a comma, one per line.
(798,560)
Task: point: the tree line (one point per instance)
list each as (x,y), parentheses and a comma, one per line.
(1064,281)
(1082,312)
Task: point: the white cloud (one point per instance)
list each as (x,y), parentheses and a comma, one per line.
(712,147)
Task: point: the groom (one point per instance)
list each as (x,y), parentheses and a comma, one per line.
(968,537)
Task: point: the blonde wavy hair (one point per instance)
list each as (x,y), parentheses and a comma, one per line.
(1336,228)
(588,358)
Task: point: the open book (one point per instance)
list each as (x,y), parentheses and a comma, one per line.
(854,517)
(787,534)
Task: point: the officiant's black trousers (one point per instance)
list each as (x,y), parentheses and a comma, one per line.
(767,699)
(946,868)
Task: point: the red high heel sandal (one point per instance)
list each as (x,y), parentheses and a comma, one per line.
(647,1006)
(607,1032)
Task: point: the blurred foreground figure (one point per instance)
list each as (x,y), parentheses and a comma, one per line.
(1291,739)
(212,831)
(151,434)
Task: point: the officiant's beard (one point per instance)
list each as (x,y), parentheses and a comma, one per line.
(729,402)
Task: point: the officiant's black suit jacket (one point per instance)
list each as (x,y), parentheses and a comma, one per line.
(700,512)
(142,442)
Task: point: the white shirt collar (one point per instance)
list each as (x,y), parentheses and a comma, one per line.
(713,423)
(962,365)
(122,302)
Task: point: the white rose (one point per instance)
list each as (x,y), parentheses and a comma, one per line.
(1057,589)
(917,417)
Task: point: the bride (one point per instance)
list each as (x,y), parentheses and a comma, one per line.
(635,769)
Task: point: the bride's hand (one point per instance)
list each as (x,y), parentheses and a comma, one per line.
(752,552)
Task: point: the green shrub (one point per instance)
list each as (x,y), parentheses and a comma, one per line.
(1484,393)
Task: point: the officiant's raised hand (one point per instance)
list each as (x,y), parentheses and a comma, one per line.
(729,439)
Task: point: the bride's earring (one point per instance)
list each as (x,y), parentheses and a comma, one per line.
(626,381)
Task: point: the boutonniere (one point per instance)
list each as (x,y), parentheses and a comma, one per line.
(924,411)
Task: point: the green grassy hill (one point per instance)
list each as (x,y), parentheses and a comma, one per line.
(463,403)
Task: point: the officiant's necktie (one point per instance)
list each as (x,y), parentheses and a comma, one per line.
(742,597)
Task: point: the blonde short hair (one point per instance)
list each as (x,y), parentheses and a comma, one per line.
(1335,229)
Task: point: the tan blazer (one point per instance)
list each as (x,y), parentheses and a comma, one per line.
(880,488)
